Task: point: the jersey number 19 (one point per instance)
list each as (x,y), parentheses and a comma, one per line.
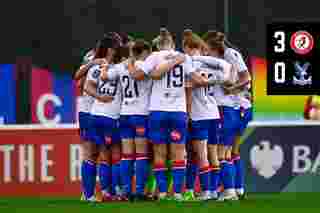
(175,77)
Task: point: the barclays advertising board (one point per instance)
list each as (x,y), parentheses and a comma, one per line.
(285,158)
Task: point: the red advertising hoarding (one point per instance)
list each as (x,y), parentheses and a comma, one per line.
(36,162)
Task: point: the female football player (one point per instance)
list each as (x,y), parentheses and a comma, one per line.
(136,89)
(241,91)
(205,118)
(103,121)
(168,117)
(228,96)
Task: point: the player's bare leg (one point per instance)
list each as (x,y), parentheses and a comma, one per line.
(221,152)
(236,146)
(160,152)
(213,155)
(89,151)
(127,166)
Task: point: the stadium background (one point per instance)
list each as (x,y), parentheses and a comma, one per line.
(42,43)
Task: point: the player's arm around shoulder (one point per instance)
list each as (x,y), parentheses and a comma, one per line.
(135,71)
(166,65)
(83,69)
(91,85)
(139,70)
(240,70)
(197,78)
(110,73)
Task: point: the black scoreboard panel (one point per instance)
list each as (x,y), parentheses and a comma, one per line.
(293,58)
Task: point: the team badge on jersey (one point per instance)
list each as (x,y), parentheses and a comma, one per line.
(96,73)
(175,135)
(301,42)
(107,140)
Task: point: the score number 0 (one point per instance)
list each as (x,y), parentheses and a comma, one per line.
(279,67)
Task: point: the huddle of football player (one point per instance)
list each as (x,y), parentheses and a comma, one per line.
(159,117)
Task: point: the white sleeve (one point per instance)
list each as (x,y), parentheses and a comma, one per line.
(189,66)
(113,72)
(149,64)
(94,73)
(236,58)
(209,60)
(216,64)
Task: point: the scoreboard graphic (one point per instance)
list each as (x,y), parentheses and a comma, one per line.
(293,59)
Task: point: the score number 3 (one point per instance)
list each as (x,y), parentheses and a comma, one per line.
(279,67)
(280,47)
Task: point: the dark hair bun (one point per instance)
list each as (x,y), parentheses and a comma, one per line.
(213,34)
(220,37)
(140,46)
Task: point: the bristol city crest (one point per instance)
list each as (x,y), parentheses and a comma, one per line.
(301,42)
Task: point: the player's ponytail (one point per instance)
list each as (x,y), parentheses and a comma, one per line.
(110,40)
(209,35)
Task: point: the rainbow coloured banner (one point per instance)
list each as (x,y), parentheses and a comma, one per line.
(277,107)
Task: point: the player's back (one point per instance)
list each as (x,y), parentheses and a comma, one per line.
(135,94)
(108,88)
(235,57)
(85,101)
(168,93)
(204,104)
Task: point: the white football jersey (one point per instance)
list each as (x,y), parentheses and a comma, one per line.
(204,105)
(168,93)
(135,94)
(85,101)
(245,97)
(234,57)
(109,88)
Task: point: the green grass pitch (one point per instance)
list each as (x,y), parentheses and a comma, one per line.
(257,203)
